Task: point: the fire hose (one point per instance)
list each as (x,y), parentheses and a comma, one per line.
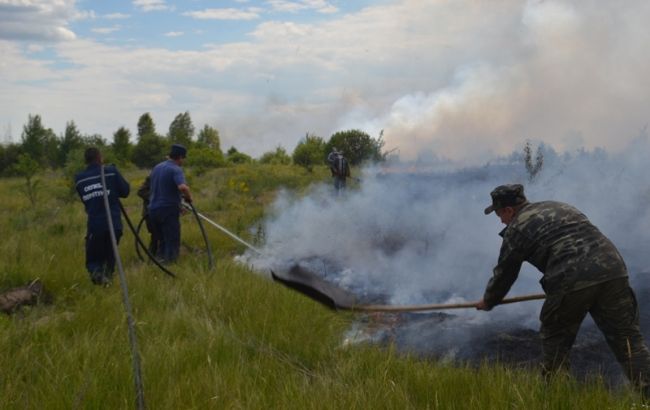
(139,244)
(138,241)
(226,231)
(137,232)
(137,372)
(205,237)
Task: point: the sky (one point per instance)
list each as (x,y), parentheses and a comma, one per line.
(461,80)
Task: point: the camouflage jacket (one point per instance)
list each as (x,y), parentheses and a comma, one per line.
(560,241)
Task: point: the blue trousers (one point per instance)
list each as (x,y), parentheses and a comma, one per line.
(100,260)
(166,226)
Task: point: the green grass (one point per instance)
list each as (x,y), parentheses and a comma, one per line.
(228,338)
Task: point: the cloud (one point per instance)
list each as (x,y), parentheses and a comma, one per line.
(151,5)
(116,16)
(321,6)
(174,34)
(251,13)
(105,30)
(83,15)
(570,74)
(35,48)
(38,20)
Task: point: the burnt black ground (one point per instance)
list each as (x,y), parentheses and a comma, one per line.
(454,339)
(458,338)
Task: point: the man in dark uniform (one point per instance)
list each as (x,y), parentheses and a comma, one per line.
(167,186)
(339,168)
(583,272)
(100,261)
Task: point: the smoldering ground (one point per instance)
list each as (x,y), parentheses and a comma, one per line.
(571,75)
(413,235)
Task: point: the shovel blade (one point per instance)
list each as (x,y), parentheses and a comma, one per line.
(314,287)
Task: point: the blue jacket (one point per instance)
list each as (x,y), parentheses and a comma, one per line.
(165,179)
(88,184)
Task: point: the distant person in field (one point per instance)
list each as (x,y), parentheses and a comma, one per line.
(167,187)
(583,272)
(144,192)
(100,260)
(339,168)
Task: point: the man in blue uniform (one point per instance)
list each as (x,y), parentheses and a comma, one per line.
(100,261)
(167,184)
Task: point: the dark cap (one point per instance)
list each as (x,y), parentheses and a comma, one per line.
(506,195)
(178,151)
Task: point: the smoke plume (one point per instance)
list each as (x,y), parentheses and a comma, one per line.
(409,235)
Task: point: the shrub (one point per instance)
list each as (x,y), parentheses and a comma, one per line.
(309,152)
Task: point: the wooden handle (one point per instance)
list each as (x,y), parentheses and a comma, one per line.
(415,308)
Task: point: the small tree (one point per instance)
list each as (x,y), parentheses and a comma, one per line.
(73,165)
(235,157)
(309,152)
(122,144)
(33,138)
(277,157)
(94,140)
(71,141)
(202,159)
(51,147)
(8,158)
(357,146)
(27,167)
(146,126)
(209,137)
(149,150)
(533,168)
(181,130)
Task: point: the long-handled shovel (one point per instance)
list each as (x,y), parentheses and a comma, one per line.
(311,285)
(442,306)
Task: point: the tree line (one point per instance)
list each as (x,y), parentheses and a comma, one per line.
(41,148)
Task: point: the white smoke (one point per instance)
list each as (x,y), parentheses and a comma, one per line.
(573,75)
(422,237)
(570,73)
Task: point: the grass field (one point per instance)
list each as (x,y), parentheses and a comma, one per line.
(227,338)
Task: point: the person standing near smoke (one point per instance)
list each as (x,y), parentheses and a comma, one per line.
(339,168)
(583,272)
(167,186)
(144,192)
(100,260)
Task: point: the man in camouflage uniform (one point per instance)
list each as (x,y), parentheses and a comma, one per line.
(583,272)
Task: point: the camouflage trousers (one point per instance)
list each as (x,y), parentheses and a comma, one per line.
(613,307)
